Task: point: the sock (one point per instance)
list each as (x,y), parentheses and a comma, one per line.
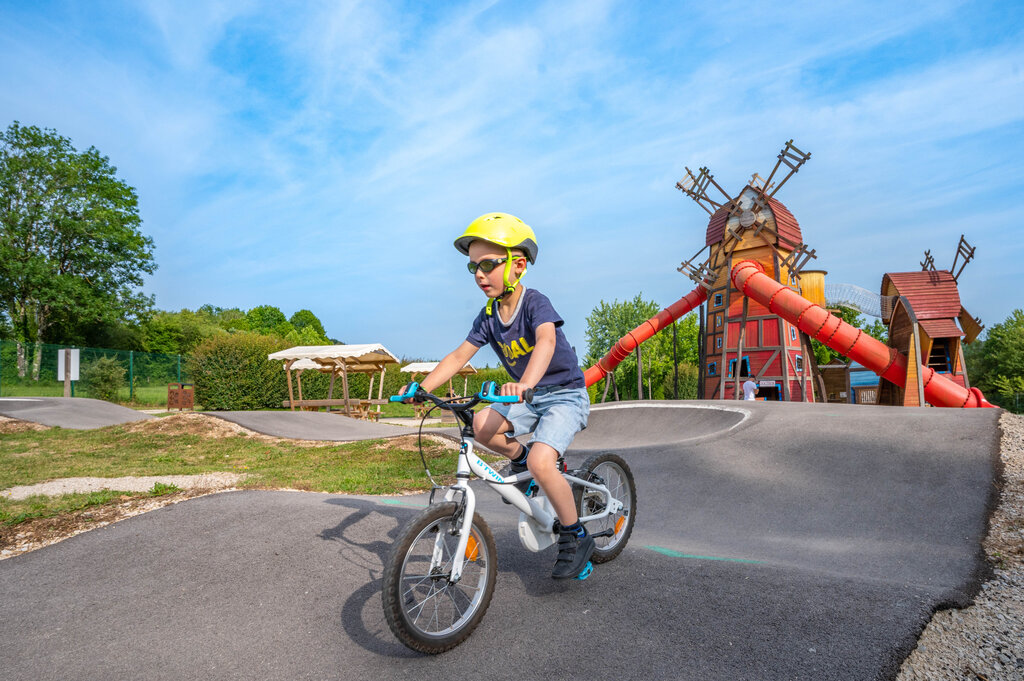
(521,459)
(577,528)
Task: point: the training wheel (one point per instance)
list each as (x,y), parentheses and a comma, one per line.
(587,570)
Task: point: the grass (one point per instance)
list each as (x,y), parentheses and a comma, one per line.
(368,467)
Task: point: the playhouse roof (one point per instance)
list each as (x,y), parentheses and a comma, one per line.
(932,294)
(785,224)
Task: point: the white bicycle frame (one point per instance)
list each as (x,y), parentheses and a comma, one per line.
(536,513)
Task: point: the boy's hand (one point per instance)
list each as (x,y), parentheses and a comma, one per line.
(516,389)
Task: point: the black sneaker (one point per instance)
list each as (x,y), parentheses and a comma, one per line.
(573,554)
(515,469)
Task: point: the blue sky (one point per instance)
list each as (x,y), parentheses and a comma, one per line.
(325,155)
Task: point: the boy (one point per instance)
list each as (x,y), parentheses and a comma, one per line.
(524,330)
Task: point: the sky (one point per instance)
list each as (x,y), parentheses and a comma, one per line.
(325,155)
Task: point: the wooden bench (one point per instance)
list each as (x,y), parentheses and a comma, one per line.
(362,409)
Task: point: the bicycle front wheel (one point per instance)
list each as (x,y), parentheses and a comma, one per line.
(425,610)
(613,472)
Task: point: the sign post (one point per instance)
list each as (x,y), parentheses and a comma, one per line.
(67,368)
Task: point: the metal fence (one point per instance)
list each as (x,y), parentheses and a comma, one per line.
(30,369)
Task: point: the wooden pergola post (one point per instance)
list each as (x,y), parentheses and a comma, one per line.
(344,383)
(291,395)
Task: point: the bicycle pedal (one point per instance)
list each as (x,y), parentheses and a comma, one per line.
(610,532)
(587,570)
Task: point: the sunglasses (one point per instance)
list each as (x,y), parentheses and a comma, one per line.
(487,264)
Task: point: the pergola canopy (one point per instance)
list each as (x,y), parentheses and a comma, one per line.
(351,357)
(427,367)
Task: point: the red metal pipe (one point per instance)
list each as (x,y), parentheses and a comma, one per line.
(749,277)
(628,343)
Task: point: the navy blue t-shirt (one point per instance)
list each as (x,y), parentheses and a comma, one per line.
(514,342)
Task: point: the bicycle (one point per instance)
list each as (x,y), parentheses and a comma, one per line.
(439,577)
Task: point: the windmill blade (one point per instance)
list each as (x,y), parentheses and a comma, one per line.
(793,158)
(928,264)
(701,273)
(695,186)
(965,250)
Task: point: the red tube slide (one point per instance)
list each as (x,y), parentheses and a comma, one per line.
(820,324)
(628,343)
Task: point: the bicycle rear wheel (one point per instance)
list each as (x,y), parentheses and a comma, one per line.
(424,609)
(612,471)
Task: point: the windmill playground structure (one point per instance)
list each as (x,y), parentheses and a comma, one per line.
(760,308)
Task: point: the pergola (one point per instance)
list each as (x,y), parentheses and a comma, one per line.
(371,358)
(426,367)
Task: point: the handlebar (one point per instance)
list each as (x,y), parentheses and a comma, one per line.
(487,393)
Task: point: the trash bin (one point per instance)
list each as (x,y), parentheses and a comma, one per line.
(180,396)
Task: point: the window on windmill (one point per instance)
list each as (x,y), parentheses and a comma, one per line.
(744,369)
(718,320)
(792,333)
(718,343)
(718,300)
(799,359)
(713,369)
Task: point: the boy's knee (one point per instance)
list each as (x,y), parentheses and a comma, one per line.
(542,457)
(488,423)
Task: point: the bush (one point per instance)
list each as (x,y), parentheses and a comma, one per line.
(103,378)
(232,372)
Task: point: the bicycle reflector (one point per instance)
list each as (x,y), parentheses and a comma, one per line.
(472,549)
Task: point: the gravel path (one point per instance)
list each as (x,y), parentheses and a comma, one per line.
(985,642)
(125,484)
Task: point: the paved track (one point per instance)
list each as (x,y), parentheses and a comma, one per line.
(78,413)
(788,542)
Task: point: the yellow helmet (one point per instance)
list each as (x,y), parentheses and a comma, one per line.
(502,229)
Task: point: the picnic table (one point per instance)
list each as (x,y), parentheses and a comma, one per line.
(372,358)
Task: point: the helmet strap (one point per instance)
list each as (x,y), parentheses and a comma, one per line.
(506,277)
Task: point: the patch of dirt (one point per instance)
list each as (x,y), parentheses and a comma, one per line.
(39,532)
(191,423)
(9,425)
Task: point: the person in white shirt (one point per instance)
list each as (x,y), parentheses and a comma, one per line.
(749,389)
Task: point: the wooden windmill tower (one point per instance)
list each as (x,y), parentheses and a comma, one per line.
(740,337)
(921,310)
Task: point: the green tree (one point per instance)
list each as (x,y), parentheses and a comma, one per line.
(70,239)
(305,319)
(268,320)
(995,365)
(608,322)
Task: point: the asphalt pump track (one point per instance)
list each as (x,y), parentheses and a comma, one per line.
(773,541)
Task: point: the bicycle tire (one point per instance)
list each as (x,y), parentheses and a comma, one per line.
(616,474)
(422,608)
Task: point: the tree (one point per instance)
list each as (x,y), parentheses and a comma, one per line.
(608,322)
(305,319)
(70,239)
(996,364)
(268,320)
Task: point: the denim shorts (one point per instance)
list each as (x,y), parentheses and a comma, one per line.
(554,417)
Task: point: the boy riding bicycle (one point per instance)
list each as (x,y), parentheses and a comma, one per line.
(525,331)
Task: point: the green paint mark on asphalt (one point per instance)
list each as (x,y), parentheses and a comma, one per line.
(397,502)
(676,554)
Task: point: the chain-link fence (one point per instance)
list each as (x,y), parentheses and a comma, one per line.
(141,378)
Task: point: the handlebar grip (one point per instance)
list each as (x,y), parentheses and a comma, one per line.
(488,392)
(410,391)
